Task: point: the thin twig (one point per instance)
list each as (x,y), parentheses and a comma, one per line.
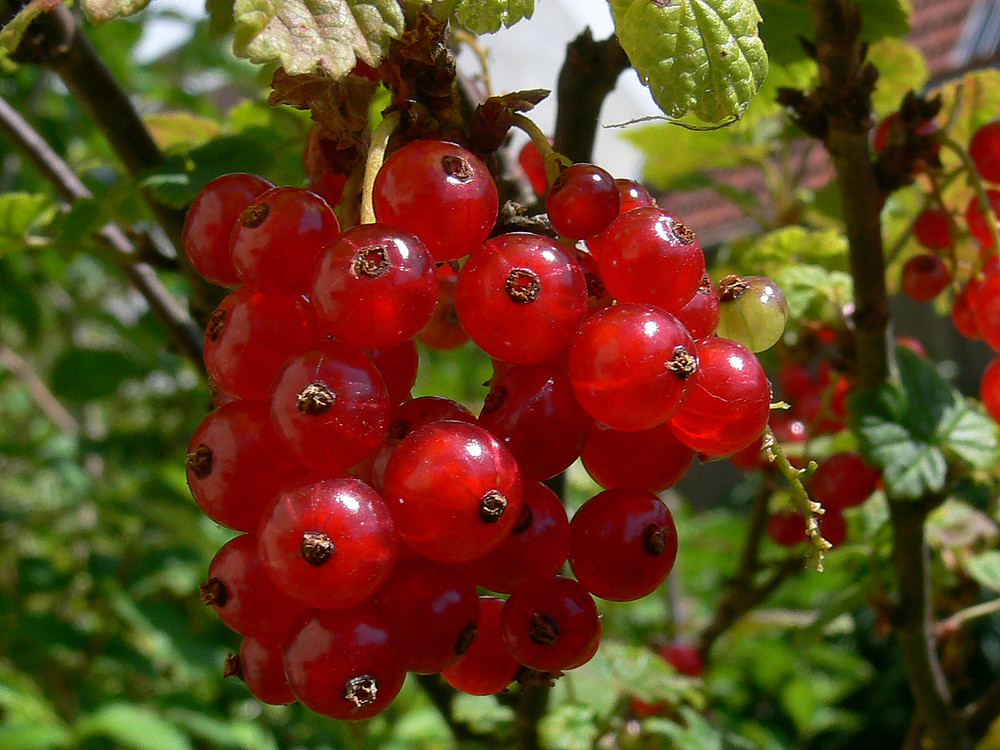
(47,402)
(969,613)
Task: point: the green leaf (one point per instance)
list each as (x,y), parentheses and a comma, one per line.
(487,16)
(10,35)
(694,733)
(812,291)
(985,569)
(901,68)
(245,735)
(34,737)
(20,214)
(102,11)
(171,129)
(911,429)
(134,727)
(697,56)
(84,374)
(307,36)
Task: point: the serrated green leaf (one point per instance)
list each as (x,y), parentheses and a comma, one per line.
(901,68)
(20,213)
(10,35)
(309,36)
(697,56)
(102,11)
(487,16)
(985,569)
(134,727)
(812,291)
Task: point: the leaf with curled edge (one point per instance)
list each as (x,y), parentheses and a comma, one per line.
(316,36)
(494,117)
(697,56)
(487,16)
(102,11)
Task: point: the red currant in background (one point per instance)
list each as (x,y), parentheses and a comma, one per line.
(398,367)
(533,411)
(976,219)
(932,229)
(488,666)
(700,314)
(650,459)
(551,625)
(521,298)
(924,277)
(787,528)
(250,335)
(435,608)
(843,480)
(637,248)
(376,286)
(582,201)
(210,220)
(684,657)
(279,237)
(984,148)
(962,316)
(986,309)
(260,666)
(344,663)
(330,544)
(632,365)
(989,389)
(891,131)
(440,192)
(454,491)
(330,405)
(534,551)
(623,543)
(236,463)
(833,527)
(244,597)
(632,195)
(533,165)
(444,330)
(727,406)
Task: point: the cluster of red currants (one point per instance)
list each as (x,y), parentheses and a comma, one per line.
(371,517)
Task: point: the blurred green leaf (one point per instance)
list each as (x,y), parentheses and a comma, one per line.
(233,733)
(34,737)
(10,35)
(695,733)
(20,214)
(134,727)
(171,129)
(901,68)
(568,727)
(84,374)
(985,569)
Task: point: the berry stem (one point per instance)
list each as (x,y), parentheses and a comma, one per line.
(554,161)
(977,184)
(376,155)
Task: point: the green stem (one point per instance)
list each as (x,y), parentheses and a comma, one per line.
(554,161)
(376,155)
(977,184)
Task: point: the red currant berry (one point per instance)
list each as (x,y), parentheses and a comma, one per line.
(444,330)
(989,389)
(534,551)
(977,221)
(962,316)
(986,309)
(454,490)
(279,237)
(932,229)
(683,657)
(700,314)
(984,148)
(632,195)
(344,663)
(924,277)
(623,543)
(650,459)
(398,367)
(787,528)
(533,165)
(598,296)
(488,666)
(330,544)
(261,667)
(440,192)
(435,608)
(582,201)
(376,286)
(210,221)
(631,366)
(727,407)
(843,480)
(833,527)
(521,297)
(330,405)
(551,625)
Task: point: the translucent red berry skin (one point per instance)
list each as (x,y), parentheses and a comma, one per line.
(629,366)
(435,608)
(454,491)
(962,316)
(984,148)
(650,459)
(262,669)
(700,314)
(551,625)
(374,287)
(727,407)
(833,527)
(521,298)
(976,219)
(635,250)
(533,165)
(532,409)
(330,405)
(488,666)
(279,237)
(236,463)
(332,649)
(440,192)
(582,201)
(210,220)
(787,528)
(245,599)
(989,389)
(444,330)
(623,544)
(249,337)
(841,481)
(684,657)
(398,367)
(330,544)
(924,277)
(534,551)
(932,229)
(986,310)
(632,195)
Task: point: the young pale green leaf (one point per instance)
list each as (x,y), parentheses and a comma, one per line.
(102,11)
(697,56)
(487,16)
(309,36)
(10,35)
(912,429)
(20,215)
(985,569)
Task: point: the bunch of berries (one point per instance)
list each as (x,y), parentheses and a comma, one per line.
(369,517)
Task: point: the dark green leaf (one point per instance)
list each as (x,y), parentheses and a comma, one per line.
(84,374)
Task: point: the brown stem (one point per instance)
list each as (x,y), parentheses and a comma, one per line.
(531,706)
(588,75)
(172,314)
